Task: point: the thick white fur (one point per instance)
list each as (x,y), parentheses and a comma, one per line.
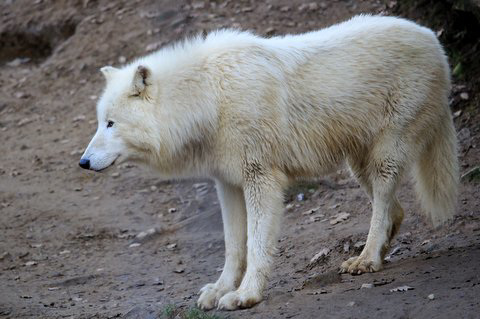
(255,114)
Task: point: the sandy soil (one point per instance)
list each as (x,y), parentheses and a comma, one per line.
(69,245)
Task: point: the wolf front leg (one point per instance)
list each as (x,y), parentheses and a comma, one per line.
(263,196)
(234,217)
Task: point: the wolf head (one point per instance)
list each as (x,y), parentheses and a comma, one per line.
(124,113)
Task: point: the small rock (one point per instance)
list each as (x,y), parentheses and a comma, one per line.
(172,210)
(76,152)
(134,245)
(144,234)
(359,245)
(425,242)
(351,304)
(21,95)
(310,211)
(431,296)
(4,255)
(346,247)
(401,289)
(457,114)
(300,197)
(64,252)
(53,288)
(334,206)
(320,255)
(16,62)
(464,96)
(285,9)
(179,270)
(115,174)
(314,219)
(24,121)
(154,46)
(78,189)
(30,263)
(343,216)
(153,188)
(270,31)
(366,286)
(78,118)
(198,5)
(172,246)
(122,59)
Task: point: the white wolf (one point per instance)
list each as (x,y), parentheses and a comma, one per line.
(255,114)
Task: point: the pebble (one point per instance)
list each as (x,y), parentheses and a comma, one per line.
(21,95)
(464,96)
(401,289)
(77,152)
(343,216)
(321,254)
(30,263)
(359,245)
(351,304)
(172,246)
(4,255)
(122,59)
(153,188)
(24,121)
(366,286)
(310,211)
(179,270)
(312,6)
(144,234)
(134,245)
(16,62)
(154,46)
(115,174)
(64,252)
(172,210)
(269,31)
(431,296)
(300,197)
(78,118)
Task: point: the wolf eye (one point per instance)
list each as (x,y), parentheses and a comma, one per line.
(110,124)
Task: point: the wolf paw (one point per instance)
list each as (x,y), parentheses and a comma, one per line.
(210,294)
(359,265)
(239,299)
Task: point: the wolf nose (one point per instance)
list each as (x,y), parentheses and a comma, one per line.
(84,163)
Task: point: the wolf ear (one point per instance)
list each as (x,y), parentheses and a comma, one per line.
(108,71)
(141,80)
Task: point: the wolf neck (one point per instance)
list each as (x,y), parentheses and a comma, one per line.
(186,117)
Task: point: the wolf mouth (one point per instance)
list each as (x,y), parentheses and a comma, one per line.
(111,164)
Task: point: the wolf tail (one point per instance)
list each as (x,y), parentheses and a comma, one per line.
(436,174)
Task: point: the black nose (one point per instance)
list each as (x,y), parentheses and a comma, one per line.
(84,163)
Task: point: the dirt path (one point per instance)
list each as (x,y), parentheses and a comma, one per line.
(69,244)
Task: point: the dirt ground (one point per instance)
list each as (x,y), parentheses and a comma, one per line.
(69,244)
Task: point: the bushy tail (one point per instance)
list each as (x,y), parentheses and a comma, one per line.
(437,175)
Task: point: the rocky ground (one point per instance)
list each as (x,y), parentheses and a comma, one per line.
(78,244)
